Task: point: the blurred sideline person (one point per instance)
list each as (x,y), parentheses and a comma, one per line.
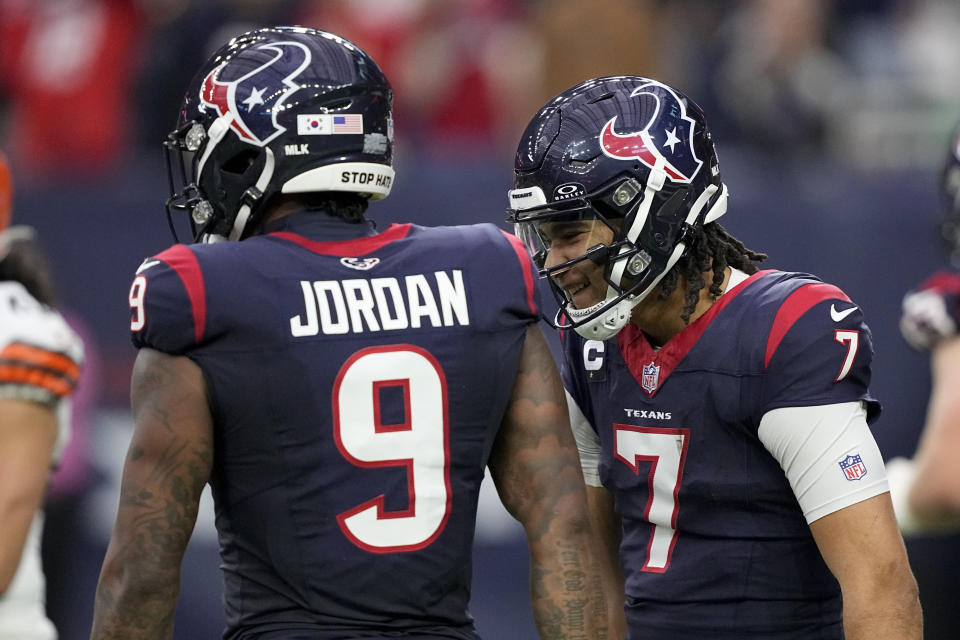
(40,359)
(340,389)
(721,411)
(926,488)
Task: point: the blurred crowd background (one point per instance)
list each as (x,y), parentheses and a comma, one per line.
(831,121)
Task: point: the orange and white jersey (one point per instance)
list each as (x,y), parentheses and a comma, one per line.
(40,359)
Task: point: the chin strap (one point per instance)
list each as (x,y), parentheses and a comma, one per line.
(604,326)
(252,195)
(607,324)
(215,134)
(250,198)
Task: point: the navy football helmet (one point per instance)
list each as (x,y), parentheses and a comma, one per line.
(276,111)
(950,192)
(626,152)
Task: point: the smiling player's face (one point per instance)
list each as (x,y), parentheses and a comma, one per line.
(583,282)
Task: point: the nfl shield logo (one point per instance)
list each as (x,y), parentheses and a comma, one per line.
(650,378)
(853,467)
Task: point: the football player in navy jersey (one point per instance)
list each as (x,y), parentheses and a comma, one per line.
(342,390)
(926,488)
(721,411)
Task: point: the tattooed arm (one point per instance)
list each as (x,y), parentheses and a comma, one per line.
(606,527)
(168,464)
(535,467)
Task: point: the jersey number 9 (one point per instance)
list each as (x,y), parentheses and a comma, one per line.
(420,444)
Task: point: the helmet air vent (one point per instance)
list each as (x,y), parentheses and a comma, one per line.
(605,96)
(338,105)
(242,161)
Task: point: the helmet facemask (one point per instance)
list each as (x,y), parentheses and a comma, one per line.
(649,234)
(240,174)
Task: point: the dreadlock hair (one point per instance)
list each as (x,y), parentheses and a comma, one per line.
(710,247)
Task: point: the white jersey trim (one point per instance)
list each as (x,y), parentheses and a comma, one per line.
(736,277)
(810,443)
(588,443)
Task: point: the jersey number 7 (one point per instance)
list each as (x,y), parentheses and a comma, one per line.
(665,450)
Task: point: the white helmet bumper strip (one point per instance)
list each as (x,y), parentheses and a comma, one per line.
(218,129)
(357,177)
(657,179)
(215,134)
(521,199)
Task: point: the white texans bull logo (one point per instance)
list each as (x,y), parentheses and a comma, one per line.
(254,99)
(671,141)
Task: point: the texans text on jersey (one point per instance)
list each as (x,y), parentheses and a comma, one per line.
(355,305)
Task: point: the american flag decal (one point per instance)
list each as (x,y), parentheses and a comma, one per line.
(853,467)
(348,123)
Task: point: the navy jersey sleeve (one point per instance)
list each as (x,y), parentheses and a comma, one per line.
(512,273)
(168,302)
(577,354)
(818,351)
(931,311)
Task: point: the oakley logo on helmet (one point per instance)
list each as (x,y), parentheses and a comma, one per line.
(254,100)
(569,190)
(672,140)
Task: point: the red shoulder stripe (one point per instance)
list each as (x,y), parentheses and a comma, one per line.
(796,304)
(185,264)
(525,267)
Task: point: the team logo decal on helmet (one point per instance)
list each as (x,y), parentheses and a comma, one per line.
(251,101)
(681,163)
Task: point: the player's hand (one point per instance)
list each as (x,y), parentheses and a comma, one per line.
(926,320)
